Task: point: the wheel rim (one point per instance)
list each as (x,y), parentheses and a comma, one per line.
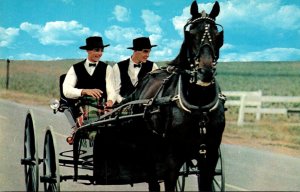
(31,166)
(219,178)
(50,164)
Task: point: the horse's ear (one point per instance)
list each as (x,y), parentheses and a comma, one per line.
(215,10)
(194,9)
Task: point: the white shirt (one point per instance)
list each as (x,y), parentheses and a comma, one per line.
(133,74)
(70,82)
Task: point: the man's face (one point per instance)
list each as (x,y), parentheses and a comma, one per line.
(142,55)
(95,54)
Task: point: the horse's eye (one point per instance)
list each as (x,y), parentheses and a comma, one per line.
(193,31)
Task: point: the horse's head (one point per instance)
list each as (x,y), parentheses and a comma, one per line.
(202,42)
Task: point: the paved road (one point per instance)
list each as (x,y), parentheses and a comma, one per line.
(246,169)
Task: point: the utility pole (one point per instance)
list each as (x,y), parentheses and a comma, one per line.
(7,73)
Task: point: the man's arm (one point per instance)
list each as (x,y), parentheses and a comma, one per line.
(69,84)
(117,83)
(110,89)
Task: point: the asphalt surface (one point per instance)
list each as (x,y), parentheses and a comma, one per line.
(246,169)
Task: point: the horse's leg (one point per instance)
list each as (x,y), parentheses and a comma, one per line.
(207,170)
(153,184)
(171,175)
(206,176)
(170,181)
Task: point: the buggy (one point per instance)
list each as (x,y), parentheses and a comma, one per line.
(107,146)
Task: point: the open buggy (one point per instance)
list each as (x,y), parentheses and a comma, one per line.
(168,130)
(112,147)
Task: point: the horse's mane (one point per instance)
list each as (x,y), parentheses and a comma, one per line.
(181,60)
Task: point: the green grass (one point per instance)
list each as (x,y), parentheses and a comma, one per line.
(273,78)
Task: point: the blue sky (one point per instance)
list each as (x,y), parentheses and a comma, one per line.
(255,30)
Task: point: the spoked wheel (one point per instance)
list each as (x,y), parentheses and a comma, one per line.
(51,177)
(180,184)
(219,178)
(31,159)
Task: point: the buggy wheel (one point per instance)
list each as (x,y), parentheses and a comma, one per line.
(219,178)
(51,177)
(31,159)
(180,184)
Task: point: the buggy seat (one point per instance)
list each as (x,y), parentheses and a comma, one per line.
(68,106)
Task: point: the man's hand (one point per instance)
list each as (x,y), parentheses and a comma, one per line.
(109,103)
(96,93)
(108,106)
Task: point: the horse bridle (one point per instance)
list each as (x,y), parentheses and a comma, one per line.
(192,57)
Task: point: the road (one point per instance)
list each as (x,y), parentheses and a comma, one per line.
(246,169)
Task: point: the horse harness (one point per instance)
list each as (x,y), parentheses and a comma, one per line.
(201,112)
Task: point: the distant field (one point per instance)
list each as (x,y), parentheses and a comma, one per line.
(273,78)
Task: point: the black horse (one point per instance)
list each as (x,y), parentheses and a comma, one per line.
(186,107)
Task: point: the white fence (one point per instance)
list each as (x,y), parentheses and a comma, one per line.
(251,102)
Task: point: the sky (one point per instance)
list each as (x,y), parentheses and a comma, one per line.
(254,30)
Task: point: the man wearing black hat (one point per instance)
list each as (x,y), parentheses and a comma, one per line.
(128,72)
(91,76)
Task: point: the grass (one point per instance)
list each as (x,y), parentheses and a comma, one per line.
(275,136)
(36,82)
(273,78)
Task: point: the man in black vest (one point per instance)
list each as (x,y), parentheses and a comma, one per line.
(128,72)
(91,76)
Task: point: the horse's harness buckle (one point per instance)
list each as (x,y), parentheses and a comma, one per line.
(193,74)
(203,131)
(202,150)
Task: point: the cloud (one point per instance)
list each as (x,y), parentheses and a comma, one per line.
(121,13)
(180,21)
(166,50)
(7,36)
(155,38)
(227,46)
(272,54)
(162,54)
(287,17)
(32,56)
(117,53)
(57,32)
(268,14)
(151,21)
(120,34)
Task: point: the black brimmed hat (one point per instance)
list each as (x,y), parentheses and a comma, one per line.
(93,42)
(141,43)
